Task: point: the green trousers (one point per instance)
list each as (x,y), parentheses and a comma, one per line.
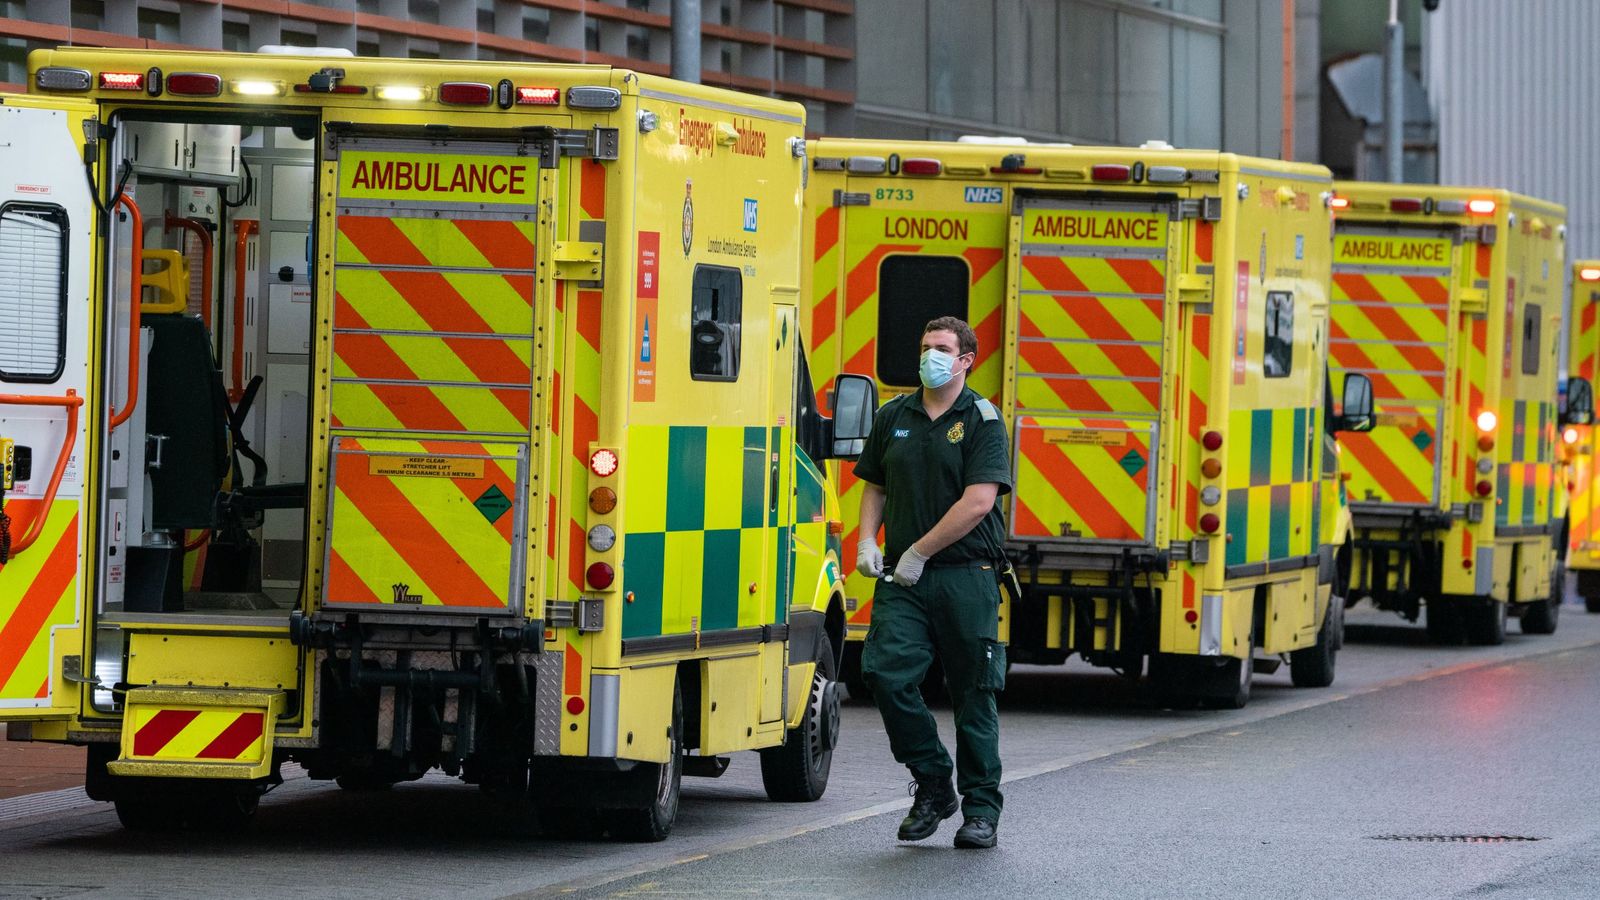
(955,610)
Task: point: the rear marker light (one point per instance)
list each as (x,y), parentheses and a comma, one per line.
(1209,523)
(1405,204)
(1211,468)
(1339,203)
(121,81)
(1211,440)
(602,538)
(1109,172)
(1485,488)
(61,78)
(1570,435)
(194,84)
(600,575)
(538,96)
(1587,274)
(1485,443)
(603,462)
(594,98)
(921,167)
(575,705)
(466,93)
(403,93)
(602,500)
(1487,420)
(1480,207)
(1191,617)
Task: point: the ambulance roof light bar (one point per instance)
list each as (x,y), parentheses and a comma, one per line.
(287,50)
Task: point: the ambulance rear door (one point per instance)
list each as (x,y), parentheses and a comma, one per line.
(47,245)
(1091,312)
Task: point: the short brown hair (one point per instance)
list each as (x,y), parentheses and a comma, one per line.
(966,338)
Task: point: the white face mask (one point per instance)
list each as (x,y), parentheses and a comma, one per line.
(936,369)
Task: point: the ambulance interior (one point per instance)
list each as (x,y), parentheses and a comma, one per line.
(206,463)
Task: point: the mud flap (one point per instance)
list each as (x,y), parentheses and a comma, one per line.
(198,733)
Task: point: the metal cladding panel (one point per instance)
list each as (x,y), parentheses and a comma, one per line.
(1514,86)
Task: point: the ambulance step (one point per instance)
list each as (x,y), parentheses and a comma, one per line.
(704,766)
(1266,666)
(221,733)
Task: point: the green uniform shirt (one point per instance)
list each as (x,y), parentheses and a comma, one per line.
(924,466)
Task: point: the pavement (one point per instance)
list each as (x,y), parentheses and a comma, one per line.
(1106,796)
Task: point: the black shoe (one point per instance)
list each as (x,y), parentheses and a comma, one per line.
(935,801)
(977,833)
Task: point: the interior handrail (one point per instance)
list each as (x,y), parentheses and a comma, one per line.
(134,288)
(198,228)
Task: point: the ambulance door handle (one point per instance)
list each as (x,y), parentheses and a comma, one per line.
(70,402)
(135,287)
(774,506)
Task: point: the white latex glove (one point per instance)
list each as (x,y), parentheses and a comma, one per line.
(869,559)
(908,571)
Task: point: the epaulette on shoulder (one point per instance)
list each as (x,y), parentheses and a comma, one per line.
(987,410)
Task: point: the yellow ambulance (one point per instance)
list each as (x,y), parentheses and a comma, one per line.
(381,416)
(1578,440)
(1153,324)
(1450,300)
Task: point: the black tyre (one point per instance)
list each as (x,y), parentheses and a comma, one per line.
(1227,686)
(797,772)
(1485,621)
(1312,667)
(661,784)
(1171,680)
(1444,622)
(1592,604)
(147,813)
(1542,617)
(850,672)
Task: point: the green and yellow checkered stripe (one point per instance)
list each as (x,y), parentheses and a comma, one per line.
(1525,477)
(697,530)
(1271,476)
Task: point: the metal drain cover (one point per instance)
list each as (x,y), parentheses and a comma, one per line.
(1457,838)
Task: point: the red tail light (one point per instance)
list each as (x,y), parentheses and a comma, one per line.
(600,575)
(194,84)
(539,96)
(603,462)
(1209,523)
(575,705)
(1211,440)
(1109,172)
(466,93)
(921,167)
(121,81)
(1405,204)
(1484,488)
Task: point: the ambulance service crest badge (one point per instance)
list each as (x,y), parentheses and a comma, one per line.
(688,217)
(956,433)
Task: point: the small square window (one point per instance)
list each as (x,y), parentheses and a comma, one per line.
(716,319)
(1531,315)
(1278,348)
(913,291)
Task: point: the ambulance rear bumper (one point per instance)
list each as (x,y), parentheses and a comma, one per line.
(1104,556)
(1412,516)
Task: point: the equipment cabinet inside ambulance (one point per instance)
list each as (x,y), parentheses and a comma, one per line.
(1153,325)
(1450,300)
(381,416)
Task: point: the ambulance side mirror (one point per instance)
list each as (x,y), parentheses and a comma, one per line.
(1356,412)
(1580,402)
(855,400)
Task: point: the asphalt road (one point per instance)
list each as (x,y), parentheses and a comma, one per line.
(1106,796)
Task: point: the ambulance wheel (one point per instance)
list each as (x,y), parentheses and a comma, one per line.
(1227,686)
(797,772)
(1445,621)
(1592,604)
(1485,620)
(1542,617)
(1312,667)
(143,812)
(661,783)
(850,673)
(224,810)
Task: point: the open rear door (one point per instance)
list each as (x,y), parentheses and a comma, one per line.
(1091,313)
(47,239)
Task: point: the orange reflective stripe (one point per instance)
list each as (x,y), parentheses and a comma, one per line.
(19,632)
(502,243)
(381,241)
(344,583)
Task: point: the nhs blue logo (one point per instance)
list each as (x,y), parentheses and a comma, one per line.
(986,195)
(749,215)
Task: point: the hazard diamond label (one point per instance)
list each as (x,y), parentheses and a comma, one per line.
(493,503)
(1132,462)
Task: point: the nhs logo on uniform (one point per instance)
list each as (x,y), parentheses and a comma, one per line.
(749,215)
(986,195)
(902,432)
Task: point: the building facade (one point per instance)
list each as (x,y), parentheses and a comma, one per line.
(799,49)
